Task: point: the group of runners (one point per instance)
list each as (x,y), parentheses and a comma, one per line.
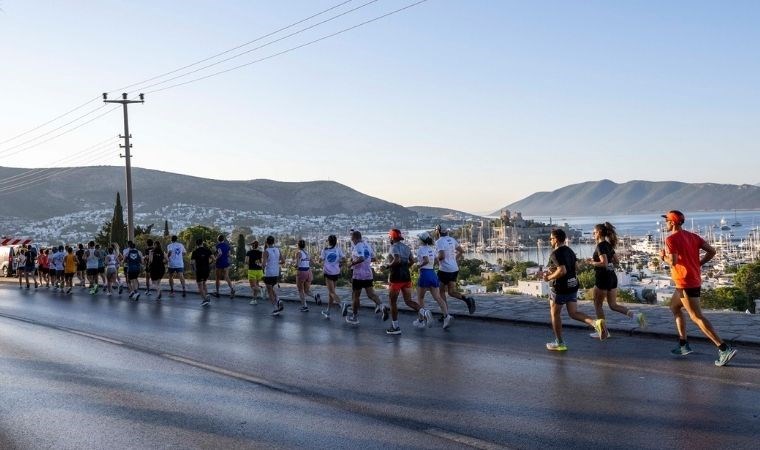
(684,252)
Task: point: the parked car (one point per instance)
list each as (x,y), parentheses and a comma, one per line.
(8,260)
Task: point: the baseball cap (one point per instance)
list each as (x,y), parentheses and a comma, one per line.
(675,216)
(424,236)
(395,234)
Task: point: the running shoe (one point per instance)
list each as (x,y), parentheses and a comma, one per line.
(183,293)
(418,323)
(148,294)
(158,299)
(68,291)
(325,314)
(470,305)
(136,297)
(601,329)
(304,308)
(595,335)
(318,299)
(205,302)
(131,294)
(27,285)
(724,356)
(428,318)
(280,306)
(641,319)
(378,309)
(682,350)
(276,311)
(121,288)
(393,330)
(352,319)
(447,321)
(344,309)
(556,346)
(386,313)
(216,294)
(253,302)
(232,293)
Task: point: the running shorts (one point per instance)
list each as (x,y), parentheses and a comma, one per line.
(255,274)
(447,277)
(428,279)
(358,285)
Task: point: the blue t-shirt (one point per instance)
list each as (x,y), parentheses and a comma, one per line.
(223,255)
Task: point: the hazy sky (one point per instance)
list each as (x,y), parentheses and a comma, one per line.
(467,104)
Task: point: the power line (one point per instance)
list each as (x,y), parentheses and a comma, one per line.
(288,50)
(110,141)
(61,134)
(13,138)
(287,36)
(233,48)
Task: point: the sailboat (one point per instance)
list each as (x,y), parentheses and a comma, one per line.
(736,222)
(723,224)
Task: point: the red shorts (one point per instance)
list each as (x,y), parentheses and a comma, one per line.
(396,286)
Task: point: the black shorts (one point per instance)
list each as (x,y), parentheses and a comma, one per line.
(358,285)
(201,276)
(606,280)
(102,269)
(271,281)
(133,275)
(332,277)
(691,292)
(81,267)
(43,270)
(157,274)
(68,276)
(447,277)
(92,272)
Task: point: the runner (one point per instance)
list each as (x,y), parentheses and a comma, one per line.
(91,256)
(564,289)
(133,259)
(428,281)
(31,260)
(449,252)
(112,269)
(81,264)
(605,278)
(146,263)
(255,271)
(176,254)
(69,269)
(201,260)
(56,267)
(400,280)
(683,257)
(43,262)
(223,265)
(157,267)
(304,277)
(120,259)
(331,257)
(101,264)
(361,278)
(21,266)
(272,259)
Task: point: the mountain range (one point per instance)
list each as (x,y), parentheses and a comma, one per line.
(635,197)
(32,193)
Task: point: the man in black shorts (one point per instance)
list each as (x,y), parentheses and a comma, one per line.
(201,260)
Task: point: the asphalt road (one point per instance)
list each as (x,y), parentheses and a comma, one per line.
(95,372)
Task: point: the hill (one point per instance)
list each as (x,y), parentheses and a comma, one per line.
(26,193)
(634,197)
(443,213)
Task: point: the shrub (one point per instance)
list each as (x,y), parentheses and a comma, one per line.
(724,298)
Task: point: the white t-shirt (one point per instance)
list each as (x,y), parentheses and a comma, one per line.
(304,260)
(429,251)
(272,268)
(449,246)
(363,270)
(331,258)
(174,252)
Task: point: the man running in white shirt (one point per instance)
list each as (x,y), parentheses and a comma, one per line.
(175,252)
(449,252)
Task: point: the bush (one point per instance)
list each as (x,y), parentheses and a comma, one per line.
(724,298)
(626,296)
(586,279)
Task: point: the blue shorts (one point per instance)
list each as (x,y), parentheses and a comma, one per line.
(428,279)
(562,299)
(176,269)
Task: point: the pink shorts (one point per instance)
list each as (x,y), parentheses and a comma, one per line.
(304,276)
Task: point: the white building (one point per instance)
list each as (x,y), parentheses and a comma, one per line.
(535,288)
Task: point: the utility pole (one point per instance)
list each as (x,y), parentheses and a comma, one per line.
(127,146)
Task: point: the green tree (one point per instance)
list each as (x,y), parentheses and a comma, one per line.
(166,228)
(118,230)
(240,250)
(190,234)
(747,279)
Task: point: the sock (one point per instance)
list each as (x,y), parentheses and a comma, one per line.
(722,347)
(682,342)
(394,323)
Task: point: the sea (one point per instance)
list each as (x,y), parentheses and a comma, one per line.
(632,226)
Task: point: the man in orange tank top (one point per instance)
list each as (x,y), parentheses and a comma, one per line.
(682,254)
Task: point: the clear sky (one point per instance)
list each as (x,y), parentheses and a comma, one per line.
(466,104)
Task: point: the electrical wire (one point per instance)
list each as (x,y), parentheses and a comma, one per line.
(274,55)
